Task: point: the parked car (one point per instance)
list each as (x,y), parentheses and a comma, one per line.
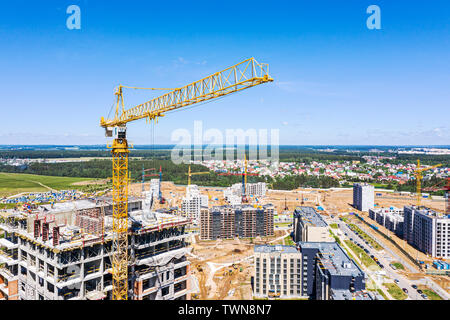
(414,286)
(405,290)
(396,281)
(419,291)
(424,296)
(381,266)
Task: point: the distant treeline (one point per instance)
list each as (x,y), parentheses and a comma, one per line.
(293,182)
(55,154)
(286,154)
(99,168)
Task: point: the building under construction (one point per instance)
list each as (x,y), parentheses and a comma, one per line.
(243,221)
(64,251)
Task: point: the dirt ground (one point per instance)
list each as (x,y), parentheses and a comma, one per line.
(174,194)
(212,261)
(334,202)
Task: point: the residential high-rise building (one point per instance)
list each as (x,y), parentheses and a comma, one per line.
(192,203)
(257,189)
(390,218)
(363,196)
(427,230)
(309,226)
(314,270)
(244,221)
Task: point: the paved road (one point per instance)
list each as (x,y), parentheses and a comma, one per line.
(385,259)
(394,257)
(405,263)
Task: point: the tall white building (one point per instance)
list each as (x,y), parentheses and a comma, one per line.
(258,189)
(427,230)
(155,186)
(363,196)
(192,203)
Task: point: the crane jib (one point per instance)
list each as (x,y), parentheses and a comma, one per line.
(243,75)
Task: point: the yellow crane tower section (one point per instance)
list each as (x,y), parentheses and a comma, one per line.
(190,174)
(246,74)
(418,172)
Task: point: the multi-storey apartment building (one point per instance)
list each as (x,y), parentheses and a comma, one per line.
(257,189)
(244,221)
(363,196)
(427,230)
(314,270)
(391,218)
(192,202)
(309,226)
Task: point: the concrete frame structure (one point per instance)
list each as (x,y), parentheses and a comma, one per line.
(46,257)
(155,187)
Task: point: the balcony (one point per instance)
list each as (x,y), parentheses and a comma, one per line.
(6,273)
(7,243)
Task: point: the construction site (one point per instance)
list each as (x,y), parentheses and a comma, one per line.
(64,252)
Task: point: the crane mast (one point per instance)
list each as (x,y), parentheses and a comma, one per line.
(419,177)
(243,75)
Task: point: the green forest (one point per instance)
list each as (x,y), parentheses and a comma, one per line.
(154,158)
(98,168)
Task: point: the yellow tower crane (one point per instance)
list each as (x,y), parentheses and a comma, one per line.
(190,174)
(418,172)
(246,74)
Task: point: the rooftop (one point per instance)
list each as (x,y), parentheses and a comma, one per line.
(428,212)
(242,207)
(265,248)
(334,258)
(140,221)
(310,216)
(347,295)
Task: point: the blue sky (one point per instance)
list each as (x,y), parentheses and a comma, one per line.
(336,81)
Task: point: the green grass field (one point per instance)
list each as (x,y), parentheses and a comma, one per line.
(334,226)
(366,237)
(288,241)
(398,265)
(395,291)
(432,295)
(13,183)
(365,259)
